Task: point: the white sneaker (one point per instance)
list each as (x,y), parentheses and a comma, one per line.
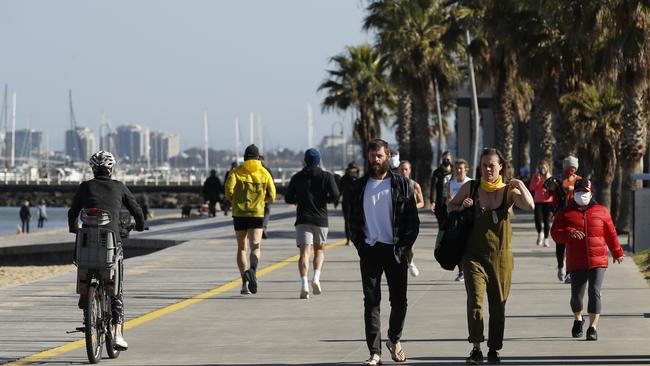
(304,293)
(546,245)
(120,343)
(413,270)
(540,238)
(315,288)
(244,289)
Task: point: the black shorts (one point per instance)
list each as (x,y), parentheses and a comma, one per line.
(245,223)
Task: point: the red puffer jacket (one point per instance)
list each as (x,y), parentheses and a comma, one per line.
(596,223)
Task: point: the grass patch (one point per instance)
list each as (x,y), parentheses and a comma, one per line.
(642,260)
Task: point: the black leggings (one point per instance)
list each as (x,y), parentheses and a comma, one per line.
(543,213)
(559,254)
(579,279)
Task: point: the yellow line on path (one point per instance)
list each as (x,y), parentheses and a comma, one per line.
(161,312)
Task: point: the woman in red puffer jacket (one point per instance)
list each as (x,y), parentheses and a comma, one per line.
(587,230)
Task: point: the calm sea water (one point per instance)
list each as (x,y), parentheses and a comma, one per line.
(57,217)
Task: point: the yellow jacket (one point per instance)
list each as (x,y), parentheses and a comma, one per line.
(249,187)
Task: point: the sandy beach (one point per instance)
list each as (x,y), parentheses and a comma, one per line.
(19,275)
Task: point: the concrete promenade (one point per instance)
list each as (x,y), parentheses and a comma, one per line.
(184,308)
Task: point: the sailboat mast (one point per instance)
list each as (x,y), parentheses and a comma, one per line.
(13,133)
(237,147)
(310,127)
(205,140)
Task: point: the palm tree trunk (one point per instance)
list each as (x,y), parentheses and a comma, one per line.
(524,144)
(403,125)
(616,193)
(421,151)
(361,132)
(604,171)
(504,125)
(634,136)
(565,145)
(541,130)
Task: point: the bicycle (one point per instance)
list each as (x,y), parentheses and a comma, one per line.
(99,269)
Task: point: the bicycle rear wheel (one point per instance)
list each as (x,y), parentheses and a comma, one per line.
(94,324)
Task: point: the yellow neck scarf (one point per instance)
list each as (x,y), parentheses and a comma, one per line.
(491,187)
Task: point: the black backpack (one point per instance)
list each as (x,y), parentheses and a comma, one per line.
(453,234)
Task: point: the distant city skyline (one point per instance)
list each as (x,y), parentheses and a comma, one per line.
(161,64)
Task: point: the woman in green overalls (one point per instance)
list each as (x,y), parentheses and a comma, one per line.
(488,262)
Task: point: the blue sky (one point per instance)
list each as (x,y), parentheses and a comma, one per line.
(162,63)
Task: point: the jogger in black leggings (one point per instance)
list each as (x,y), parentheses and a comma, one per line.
(543,214)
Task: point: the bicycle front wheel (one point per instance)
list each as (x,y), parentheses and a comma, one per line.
(110,344)
(93,324)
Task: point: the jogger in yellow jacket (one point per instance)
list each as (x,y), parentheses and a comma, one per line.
(249,187)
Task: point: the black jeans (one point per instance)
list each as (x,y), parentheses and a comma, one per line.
(374,261)
(441,213)
(543,213)
(346,219)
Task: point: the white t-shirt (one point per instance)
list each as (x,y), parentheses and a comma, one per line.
(378,210)
(454,186)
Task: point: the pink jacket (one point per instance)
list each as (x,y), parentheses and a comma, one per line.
(536,187)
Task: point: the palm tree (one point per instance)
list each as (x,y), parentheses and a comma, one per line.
(596,114)
(413,36)
(360,81)
(556,35)
(625,56)
(496,27)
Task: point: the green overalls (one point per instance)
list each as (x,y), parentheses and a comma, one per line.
(488,265)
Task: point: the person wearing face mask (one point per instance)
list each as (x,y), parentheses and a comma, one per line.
(438,194)
(588,231)
(569,169)
(543,202)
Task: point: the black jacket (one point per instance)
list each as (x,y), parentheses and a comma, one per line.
(439,178)
(406,223)
(25,213)
(212,189)
(107,194)
(312,189)
(346,187)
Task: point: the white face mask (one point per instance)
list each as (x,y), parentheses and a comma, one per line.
(582,198)
(394,162)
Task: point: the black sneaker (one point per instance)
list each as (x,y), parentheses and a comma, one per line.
(475,358)
(576,331)
(493,356)
(592,335)
(252,281)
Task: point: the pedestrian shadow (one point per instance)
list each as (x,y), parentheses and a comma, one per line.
(543,360)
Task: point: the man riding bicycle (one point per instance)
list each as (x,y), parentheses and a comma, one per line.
(110,195)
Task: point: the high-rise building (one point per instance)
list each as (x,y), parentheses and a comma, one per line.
(29,143)
(108,142)
(80,144)
(164,145)
(133,143)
